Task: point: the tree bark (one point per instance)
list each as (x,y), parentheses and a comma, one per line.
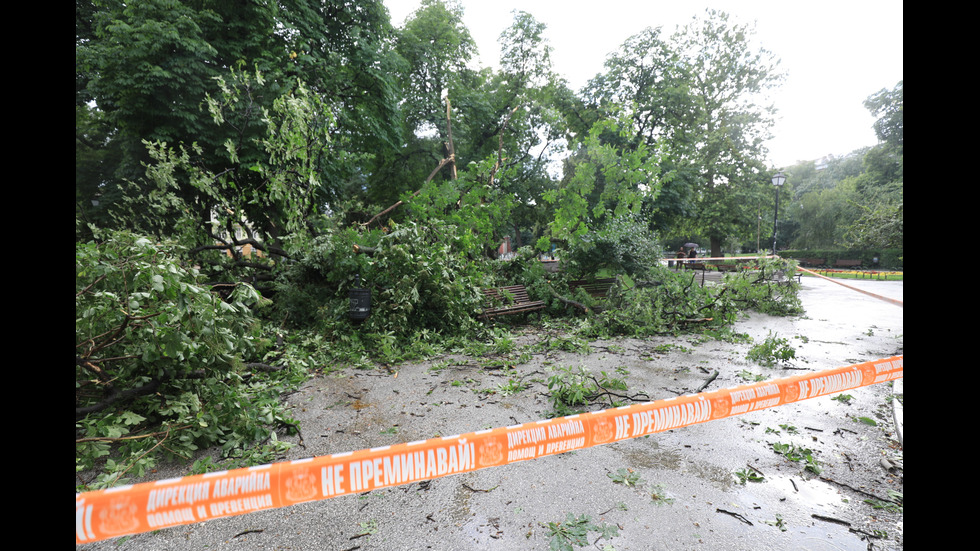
(715,247)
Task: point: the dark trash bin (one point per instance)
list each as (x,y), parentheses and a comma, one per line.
(360,303)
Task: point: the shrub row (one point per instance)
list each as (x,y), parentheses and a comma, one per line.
(884,259)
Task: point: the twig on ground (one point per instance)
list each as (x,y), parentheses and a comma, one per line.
(736,515)
(708,382)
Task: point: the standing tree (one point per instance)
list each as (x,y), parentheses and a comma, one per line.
(647,77)
(525,130)
(882,186)
(888,106)
(719,139)
(435,48)
(487,133)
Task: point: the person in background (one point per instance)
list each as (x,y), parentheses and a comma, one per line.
(692,255)
(680,254)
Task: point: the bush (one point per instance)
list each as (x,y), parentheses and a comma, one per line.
(159,360)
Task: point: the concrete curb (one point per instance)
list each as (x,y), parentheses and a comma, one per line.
(897,390)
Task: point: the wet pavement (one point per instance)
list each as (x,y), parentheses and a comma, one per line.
(686,489)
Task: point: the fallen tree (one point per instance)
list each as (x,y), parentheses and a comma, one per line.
(160,360)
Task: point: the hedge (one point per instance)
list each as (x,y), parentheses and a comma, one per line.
(887,259)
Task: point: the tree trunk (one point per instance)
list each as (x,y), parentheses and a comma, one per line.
(715,247)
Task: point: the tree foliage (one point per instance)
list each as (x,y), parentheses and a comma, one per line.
(888,107)
(606,182)
(855,202)
(160,360)
(727,125)
(145,69)
(668,302)
(243,215)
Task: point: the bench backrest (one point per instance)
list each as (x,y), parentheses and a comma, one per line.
(510,293)
(597,287)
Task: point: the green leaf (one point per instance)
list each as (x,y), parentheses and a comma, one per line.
(157,283)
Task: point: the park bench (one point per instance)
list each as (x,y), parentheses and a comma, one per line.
(810,262)
(725,267)
(845,263)
(698,267)
(780,276)
(512,299)
(598,288)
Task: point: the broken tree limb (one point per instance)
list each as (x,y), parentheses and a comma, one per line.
(450,148)
(858,490)
(449,160)
(264,367)
(708,382)
(415,194)
(831,519)
(569,301)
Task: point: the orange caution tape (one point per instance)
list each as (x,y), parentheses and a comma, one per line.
(894,301)
(149,506)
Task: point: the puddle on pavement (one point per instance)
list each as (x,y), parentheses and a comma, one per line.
(461,504)
(482,532)
(817,496)
(795,500)
(665,460)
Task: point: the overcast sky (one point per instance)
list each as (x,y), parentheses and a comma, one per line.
(835,54)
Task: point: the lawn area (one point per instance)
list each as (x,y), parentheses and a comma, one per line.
(882,275)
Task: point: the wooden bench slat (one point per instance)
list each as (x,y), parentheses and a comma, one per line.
(842,262)
(515,298)
(598,288)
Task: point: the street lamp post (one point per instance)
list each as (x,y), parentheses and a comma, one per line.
(778,180)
